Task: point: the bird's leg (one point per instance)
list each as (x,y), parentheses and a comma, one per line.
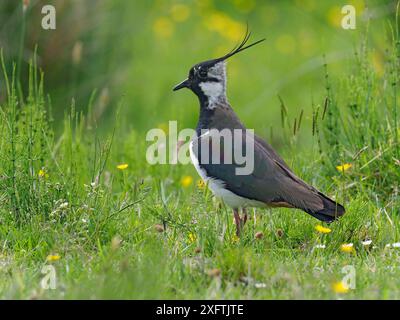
(238,221)
(244,216)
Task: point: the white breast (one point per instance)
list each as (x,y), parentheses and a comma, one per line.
(218,186)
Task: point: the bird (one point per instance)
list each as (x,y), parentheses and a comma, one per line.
(271,183)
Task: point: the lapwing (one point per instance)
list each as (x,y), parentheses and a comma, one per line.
(271,182)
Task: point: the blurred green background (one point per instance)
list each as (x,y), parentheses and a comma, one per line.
(135,51)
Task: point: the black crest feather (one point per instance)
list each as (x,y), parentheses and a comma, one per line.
(241,46)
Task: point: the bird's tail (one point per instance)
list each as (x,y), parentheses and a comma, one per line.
(302,196)
(330,212)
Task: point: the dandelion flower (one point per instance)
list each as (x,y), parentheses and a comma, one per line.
(201,184)
(53,257)
(344,167)
(43,174)
(322,229)
(340,287)
(347,247)
(192,237)
(122,166)
(186,181)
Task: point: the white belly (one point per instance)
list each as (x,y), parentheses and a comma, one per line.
(218,188)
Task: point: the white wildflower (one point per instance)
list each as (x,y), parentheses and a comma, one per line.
(393,245)
(366,242)
(63,205)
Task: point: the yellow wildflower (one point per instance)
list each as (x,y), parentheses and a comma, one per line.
(201,184)
(225,25)
(43,174)
(122,166)
(233,31)
(216,22)
(344,167)
(347,247)
(180,12)
(235,239)
(322,229)
(191,237)
(53,257)
(340,287)
(163,27)
(186,181)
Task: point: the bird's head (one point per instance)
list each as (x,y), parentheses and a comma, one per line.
(207,79)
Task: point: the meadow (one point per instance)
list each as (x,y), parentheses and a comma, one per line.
(76,191)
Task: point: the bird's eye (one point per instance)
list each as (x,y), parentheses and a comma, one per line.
(202,73)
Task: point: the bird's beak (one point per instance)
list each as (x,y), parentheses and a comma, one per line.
(184,84)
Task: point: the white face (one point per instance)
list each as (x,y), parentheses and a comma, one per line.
(215,90)
(218,71)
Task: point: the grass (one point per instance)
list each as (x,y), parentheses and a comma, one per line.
(140,233)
